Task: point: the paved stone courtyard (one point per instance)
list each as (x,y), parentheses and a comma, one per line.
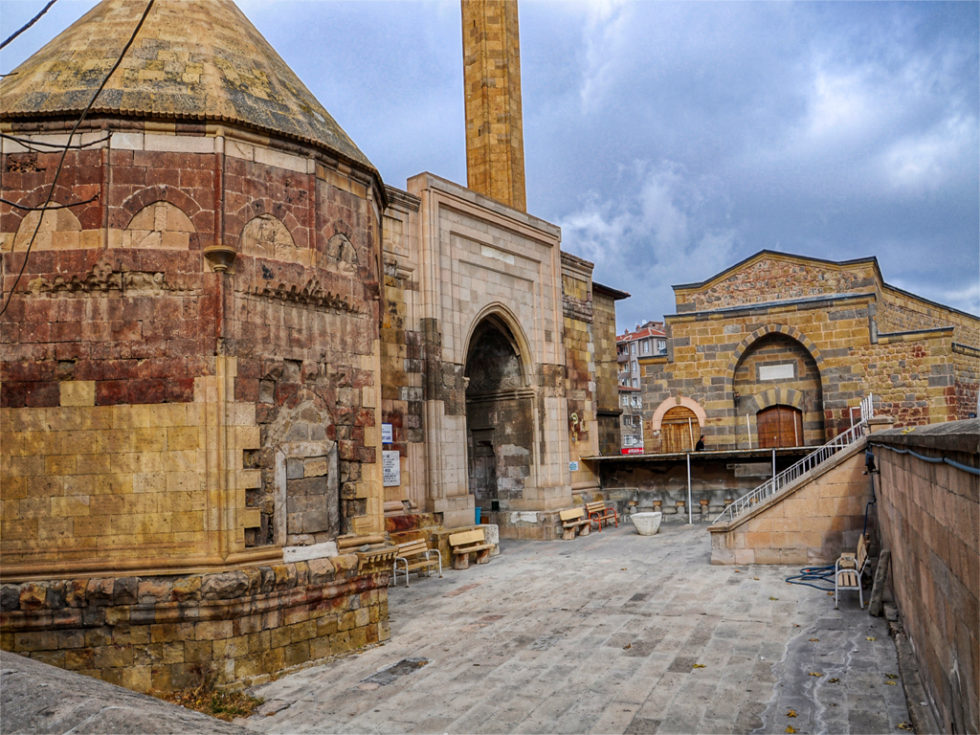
(611,633)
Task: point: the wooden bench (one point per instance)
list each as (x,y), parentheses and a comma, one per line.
(574,521)
(849,569)
(598,512)
(465,543)
(416,556)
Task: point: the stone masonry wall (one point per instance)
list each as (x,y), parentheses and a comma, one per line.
(966,364)
(838,315)
(402,346)
(929,516)
(123,305)
(116,485)
(775,277)
(607,371)
(580,367)
(705,353)
(808,526)
(229,629)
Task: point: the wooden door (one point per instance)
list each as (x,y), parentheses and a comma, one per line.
(779,426)
(679,430)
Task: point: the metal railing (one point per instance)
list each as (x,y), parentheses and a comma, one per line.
(779,482)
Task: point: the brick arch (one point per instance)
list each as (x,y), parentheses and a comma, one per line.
(88,215)
(499,313)
(265,235)
(774,396)
(673,402)
(761,332)
(138,201)
(265,206)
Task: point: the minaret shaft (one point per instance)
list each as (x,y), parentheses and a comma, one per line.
(492,89)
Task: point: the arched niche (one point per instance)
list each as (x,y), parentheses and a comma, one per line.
(777,369)
(160,226)
(60,230)
(499,414)
(265,236)
(680,421)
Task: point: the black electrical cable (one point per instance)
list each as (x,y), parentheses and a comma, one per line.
(31,22)
(67,146)
(35,145)
(15,205)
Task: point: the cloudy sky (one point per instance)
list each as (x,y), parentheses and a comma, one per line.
(671,140)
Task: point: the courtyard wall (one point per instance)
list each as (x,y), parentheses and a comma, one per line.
(929,516)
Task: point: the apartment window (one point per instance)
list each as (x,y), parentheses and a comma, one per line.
(645,347)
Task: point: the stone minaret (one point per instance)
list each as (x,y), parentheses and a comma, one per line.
(492,88)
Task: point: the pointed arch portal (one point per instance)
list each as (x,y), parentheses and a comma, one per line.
(499,417)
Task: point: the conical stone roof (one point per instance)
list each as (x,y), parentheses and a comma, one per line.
(193,60)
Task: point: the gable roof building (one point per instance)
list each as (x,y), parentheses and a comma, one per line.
(778,349)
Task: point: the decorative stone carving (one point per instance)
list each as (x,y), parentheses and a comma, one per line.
(312,294)
(219,257)
(102,277)
(341,252)
(265,236)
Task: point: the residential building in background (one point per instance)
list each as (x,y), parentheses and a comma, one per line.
(647,340)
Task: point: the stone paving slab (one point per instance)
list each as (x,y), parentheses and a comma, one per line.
(610,633)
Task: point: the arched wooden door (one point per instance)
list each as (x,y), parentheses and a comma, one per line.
(779,426)
(679,430)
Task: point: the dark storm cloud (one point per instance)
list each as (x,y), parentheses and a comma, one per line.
(671,140)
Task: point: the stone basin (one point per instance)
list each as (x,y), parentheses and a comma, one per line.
(646,524)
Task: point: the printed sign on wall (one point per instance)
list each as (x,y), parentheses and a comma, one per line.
(391,468)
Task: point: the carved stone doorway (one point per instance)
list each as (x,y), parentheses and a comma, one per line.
(499,423)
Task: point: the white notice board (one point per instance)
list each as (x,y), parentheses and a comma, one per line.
(391,468)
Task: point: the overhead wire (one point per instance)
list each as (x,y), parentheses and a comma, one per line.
(50,206)
(66,148)
(29,23)
(33,145)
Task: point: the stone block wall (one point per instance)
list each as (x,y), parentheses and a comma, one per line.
(929,516)
(230,629)
(580,367)
(112,485)
(809,524)
(172,381)
(848,332)
(606,368)
(402,347)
